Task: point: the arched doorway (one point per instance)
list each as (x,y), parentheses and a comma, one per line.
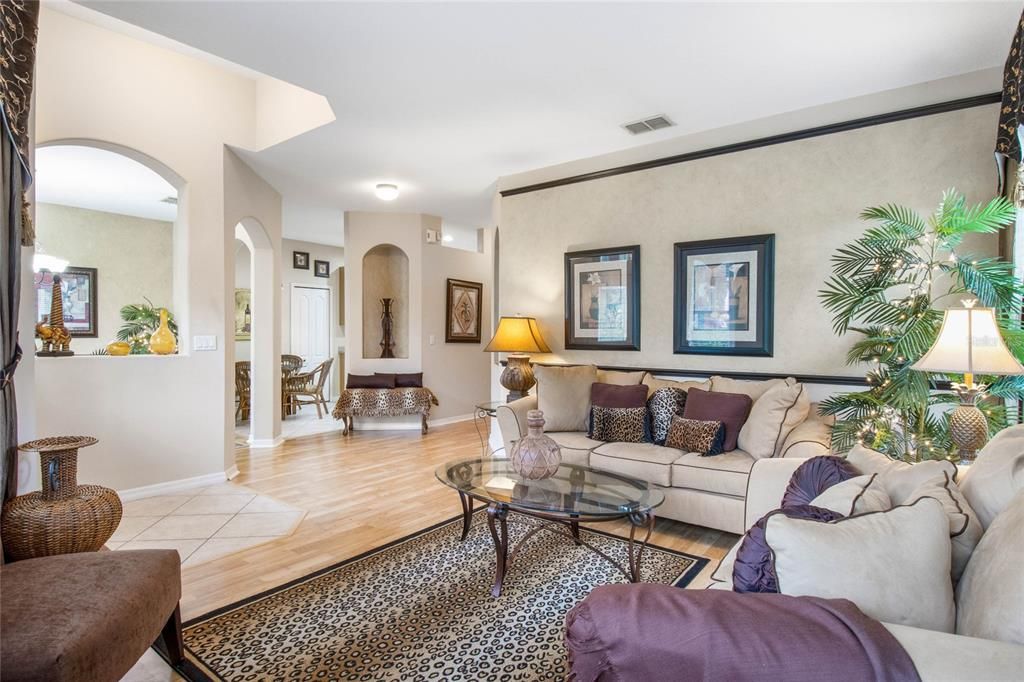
(257,335)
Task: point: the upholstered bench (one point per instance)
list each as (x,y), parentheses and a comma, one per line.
(383,402)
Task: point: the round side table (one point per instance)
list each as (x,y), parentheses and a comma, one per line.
(63,517)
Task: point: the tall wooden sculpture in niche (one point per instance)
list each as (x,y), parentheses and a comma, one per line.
(387,325)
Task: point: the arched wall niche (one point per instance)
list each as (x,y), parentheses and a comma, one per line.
(385,275)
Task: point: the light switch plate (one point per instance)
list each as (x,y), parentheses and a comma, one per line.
(207,342)
(431,340)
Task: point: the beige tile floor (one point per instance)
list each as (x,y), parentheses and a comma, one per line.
(305,423)
(205,523)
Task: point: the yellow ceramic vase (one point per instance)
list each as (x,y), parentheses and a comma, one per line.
(162,341)
(118,348)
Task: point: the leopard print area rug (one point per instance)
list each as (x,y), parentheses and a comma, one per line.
(420,609)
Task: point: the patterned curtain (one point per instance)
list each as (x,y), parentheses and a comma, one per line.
(1008,143)
(18,24)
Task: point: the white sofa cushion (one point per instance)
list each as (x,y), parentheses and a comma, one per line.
(811,438)
(563,395)
(610,376)
(646,461)
(724,474)
(773,415)
(899,478)
(575,445)
(893,565)
(754,389)
(990,596)
(964,527)
(653,383)
(996,475)
(857,495)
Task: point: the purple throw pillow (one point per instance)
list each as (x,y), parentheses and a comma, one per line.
(732,409)
(754,570)
(814,477)
(410,380)
(370,381)
(612,395)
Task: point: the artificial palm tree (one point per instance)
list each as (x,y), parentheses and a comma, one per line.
(890,286)
(140,321)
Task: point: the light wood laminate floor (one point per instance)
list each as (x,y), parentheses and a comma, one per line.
(360,492)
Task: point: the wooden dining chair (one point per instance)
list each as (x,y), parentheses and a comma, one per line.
(308,388)
(243,388)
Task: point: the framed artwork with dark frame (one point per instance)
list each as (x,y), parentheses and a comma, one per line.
(463,306)
(602,299)
(724,296)
(300,260)
(80,293)
(322,268)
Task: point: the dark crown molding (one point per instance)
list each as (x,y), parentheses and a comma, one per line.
(878,119)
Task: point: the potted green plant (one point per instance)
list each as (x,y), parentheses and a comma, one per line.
(140,321)
(890,287)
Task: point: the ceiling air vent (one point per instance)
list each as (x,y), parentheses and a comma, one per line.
(648,124)
(170,200)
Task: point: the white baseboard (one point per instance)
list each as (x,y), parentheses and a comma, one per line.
(257,443)
(232,472)
(169,487)
(450,420)
(392,423)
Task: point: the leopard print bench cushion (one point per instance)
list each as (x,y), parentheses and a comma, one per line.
(619,424)
(694,435)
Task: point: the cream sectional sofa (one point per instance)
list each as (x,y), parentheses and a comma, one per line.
(705,491)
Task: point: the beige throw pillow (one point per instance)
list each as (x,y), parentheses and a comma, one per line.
(990,596)
(755,389)
(893,565)
(964,527)
(996,475)
(899,478)
(563,395)
(773,415)
(857,495)
(609,376)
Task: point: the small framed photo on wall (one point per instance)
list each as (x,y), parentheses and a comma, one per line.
(463,311)
(322,268)
(300,260)
(80,291)
(724,296)
(602,299)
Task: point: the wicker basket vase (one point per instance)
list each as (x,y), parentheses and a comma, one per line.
(63,517)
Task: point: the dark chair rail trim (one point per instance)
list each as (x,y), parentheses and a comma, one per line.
(843,126)
(831,380)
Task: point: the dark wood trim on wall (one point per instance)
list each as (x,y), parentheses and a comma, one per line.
(867,121)
(745,376)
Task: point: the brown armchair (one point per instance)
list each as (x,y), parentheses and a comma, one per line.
(88,616)
(308,388)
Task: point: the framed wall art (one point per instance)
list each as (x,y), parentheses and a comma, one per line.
(300,260)
(602,299)
(80,292)
(463,311)
(322,268)
(243,314)
(724,296)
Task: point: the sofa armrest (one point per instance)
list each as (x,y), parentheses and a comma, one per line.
(811,438)
(512,420)
(942,656)
(766,485)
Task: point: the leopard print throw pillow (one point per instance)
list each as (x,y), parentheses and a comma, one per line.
(692,435)
(619,424)
(664,404)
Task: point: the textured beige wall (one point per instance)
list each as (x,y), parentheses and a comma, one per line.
(385,275)
(809,193)
(132,257)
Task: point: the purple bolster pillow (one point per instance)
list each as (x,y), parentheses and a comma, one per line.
(814,477)
(754,570)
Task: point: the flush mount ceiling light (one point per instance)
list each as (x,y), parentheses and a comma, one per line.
(386,192)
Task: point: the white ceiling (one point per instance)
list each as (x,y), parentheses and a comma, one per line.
(87,177)
(444,98)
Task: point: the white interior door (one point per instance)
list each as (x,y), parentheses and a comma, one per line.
(311,326)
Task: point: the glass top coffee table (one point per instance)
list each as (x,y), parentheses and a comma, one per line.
(557,504)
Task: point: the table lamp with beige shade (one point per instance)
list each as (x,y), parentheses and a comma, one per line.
(969,343)
(517,336)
